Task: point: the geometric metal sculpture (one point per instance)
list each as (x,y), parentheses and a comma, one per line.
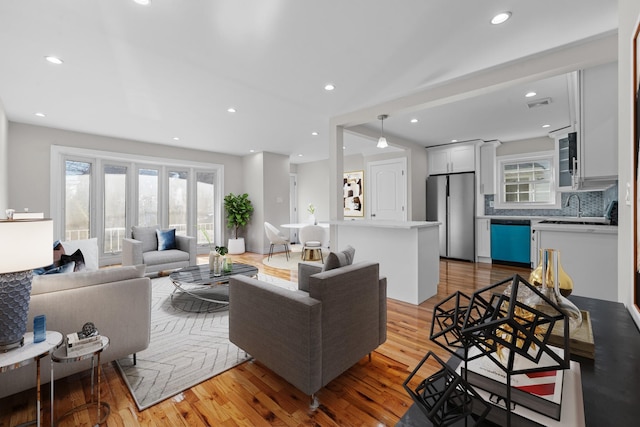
(444,397)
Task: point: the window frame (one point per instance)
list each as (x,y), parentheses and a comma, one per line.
(97,158)
(554,203)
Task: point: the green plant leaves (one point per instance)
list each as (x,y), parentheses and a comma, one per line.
(239,210)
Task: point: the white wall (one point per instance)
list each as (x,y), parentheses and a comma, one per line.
(4,162)
(253,166)
(313,187)
(629,17)
(525,146)
(29,149)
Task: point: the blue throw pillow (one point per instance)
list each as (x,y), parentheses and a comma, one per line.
(166,239)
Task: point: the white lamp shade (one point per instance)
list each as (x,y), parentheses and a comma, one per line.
(382,142)
(25,244)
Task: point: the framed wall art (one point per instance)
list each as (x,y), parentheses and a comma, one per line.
(353,189)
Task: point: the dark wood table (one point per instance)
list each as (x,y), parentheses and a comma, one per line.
(209,291)
(610,382)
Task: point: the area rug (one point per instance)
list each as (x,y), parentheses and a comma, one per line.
(280,261)
(185,349)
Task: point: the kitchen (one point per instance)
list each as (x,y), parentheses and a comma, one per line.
(554,191)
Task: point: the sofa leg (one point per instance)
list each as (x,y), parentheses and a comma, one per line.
(314,403)
(135,361)
(369,357)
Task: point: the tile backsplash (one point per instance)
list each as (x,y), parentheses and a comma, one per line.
(592,204)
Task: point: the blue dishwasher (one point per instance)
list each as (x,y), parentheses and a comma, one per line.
(511,241)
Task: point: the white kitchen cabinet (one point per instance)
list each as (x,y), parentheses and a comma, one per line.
(589,257)
(587,152)
(451,158)
(488,167)
(483,239)
(599,122)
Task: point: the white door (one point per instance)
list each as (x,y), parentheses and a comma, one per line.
(293,207)
(388,193)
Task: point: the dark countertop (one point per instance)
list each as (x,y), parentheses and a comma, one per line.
(610,382)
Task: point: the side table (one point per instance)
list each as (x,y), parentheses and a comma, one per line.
(60,356)
(32,352)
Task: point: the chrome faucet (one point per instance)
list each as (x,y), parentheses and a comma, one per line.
(579,213)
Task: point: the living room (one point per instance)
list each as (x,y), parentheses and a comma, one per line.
(27,166)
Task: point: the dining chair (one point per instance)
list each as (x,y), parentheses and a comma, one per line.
(276,237)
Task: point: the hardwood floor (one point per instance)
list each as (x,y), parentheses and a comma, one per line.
(368,394)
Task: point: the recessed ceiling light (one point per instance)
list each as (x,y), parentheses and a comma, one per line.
(231,110)
(530,94)
(546,126)
(143,2)
(299,155)
(314,133)
(252,151)
(454,140)
(54,60)
(414,120)
(344,148)
(329,87)
(40,114)
(175,138)
(500,18)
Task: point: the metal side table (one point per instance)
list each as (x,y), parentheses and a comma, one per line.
(60,356)
(32,352)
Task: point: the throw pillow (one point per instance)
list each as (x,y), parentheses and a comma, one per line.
(148,237)
(340,259)
(76,258)
(65,268)
(166,239)
(58,251)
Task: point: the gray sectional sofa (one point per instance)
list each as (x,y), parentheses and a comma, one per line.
(310,338)
(117,300)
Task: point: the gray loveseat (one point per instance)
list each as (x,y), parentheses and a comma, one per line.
(142,248)
(117,300)
(310,338)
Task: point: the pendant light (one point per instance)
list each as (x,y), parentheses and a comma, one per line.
(382,141)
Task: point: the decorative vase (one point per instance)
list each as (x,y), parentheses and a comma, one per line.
(549,281)
(565,283)
(215,263)
(312,219)
(227,265)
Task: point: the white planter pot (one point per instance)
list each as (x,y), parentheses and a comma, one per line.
(236,246)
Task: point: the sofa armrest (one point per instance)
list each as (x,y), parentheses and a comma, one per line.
(305,270)
(187,244)
(280,328)
(131,252)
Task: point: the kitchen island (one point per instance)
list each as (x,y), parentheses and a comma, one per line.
(407,251)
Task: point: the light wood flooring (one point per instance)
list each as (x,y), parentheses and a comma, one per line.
(368,394)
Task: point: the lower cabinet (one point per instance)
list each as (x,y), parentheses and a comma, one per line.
(590,258)
(483,239)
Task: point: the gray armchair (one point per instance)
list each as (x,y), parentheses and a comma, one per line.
(310,338)
(142,248)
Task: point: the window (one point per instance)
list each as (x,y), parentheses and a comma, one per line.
(526,182)
(77,200)
(103,194)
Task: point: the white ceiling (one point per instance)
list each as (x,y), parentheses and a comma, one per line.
(171,69)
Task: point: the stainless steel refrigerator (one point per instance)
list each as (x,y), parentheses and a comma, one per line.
(451,201)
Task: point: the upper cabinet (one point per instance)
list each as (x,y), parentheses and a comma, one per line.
(599,122)
(588,153)
(487,167)
(451,158)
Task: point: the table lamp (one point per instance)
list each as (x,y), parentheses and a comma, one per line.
(24,245)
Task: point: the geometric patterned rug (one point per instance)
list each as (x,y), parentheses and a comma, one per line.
(185,349)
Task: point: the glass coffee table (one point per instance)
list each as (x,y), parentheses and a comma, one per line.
(198,290)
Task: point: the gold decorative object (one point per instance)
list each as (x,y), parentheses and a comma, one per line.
(565,282)
(549,281)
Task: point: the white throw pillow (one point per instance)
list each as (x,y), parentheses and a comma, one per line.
(89,249)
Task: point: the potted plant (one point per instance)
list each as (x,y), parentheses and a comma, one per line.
(238,209)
